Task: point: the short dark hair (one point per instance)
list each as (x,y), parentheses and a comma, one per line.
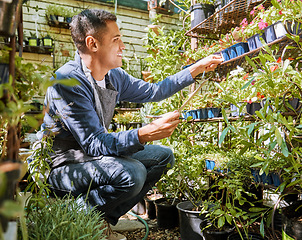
(90,22)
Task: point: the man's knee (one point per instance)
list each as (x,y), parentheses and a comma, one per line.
(134,177)
(165,154)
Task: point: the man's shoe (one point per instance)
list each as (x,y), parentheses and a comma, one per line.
(111,235)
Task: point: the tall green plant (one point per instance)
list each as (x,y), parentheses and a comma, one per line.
(64,219)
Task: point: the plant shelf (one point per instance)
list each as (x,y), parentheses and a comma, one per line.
(227,66)
(226,18)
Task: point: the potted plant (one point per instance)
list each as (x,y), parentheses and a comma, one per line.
(55,14)
(33,40)
(201,11)
(47,40)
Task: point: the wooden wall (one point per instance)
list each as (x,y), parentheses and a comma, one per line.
(133,23)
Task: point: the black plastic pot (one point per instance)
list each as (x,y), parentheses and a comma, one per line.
(47,41)
(254,236)
(251,108)
(33,41)
(293,27)
(214,234)
(189,221)
(291,215)
(150,208)
(166,214)
(150,205)
(200,12)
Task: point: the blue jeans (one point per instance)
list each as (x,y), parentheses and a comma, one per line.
(114,184)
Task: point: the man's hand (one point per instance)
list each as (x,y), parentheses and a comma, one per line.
(207,64)
(160,128)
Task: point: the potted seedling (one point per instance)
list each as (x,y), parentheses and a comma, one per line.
(47,40)
(33,40)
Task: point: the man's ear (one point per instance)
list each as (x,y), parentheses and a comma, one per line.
(91,43)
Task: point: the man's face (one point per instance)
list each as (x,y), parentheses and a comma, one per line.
(110,53)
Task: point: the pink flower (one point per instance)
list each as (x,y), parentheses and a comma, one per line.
(253,82)
(244,22)
(252,12)
(280,12)
(262,24)
(260,7)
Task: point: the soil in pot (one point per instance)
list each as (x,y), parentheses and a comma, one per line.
(166,213)
(189,221)
(292,221)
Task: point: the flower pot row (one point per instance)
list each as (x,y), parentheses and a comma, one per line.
(210,165)
(272,178)
(203,113)
(192,225)
(270,33)
(34,42)
(56,20)
(251,108)
(163,210)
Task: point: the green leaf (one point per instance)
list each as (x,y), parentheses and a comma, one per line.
(221,221)
(257,209)
(248,83)
(262,228)
(223,134)
(284,148)
(278,137)
(251,62)
(229,218)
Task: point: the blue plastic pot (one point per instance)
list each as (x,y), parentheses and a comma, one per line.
(235,110)
(193,113)
(232,52)
(241,48)
(225,55)
(252,43)
(216,112)
(210,164)
(276,179)
(257,40)
(203,113)
(210,113)
(255,174)
(269,33)
(280,30)
(266,179)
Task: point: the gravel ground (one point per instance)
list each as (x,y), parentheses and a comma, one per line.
(154,232)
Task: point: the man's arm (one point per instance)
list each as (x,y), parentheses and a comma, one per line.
(206,64)
(159,128)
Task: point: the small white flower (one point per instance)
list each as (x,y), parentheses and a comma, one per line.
(236,71)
